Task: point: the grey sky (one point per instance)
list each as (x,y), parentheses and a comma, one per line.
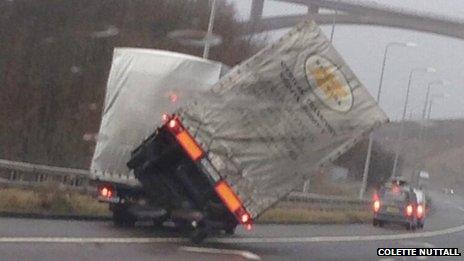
(363,47)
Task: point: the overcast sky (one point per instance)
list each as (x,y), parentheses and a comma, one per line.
(363,48)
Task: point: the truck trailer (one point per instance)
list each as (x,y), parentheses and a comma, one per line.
(240,146)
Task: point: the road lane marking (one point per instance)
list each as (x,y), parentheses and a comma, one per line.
(236,240)
(417,243)
(461,208)
(244,254)
(124,240)
(387,259)
(340,238)
(421,258)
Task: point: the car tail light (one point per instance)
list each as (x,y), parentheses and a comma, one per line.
(409,210)
(420,211)
(376,205)
(185,139)
(233,203)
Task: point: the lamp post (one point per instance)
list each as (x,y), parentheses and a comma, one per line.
(333,26)
(429,86)
(442,96)
(426,102)
(405,106)
(209,33)
(379,91)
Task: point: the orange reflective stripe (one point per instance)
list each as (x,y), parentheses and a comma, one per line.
(189,145)
(228,196)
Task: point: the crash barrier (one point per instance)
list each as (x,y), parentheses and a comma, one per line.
(325,202)
(22,174)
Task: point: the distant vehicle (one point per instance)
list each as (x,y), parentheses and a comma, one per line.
(401,205)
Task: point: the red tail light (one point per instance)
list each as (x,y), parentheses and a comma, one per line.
(106,191)
(172,123)
(376,205)
(233,203)
(420,211)
(409,210)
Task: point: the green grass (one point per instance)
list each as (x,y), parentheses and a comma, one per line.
(310,216)
(47,201)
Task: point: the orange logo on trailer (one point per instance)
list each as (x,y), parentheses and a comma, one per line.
(328,83)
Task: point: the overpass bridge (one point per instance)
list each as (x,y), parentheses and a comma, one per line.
(356,13)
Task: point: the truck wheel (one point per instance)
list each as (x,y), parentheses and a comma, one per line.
(198,235)
(230,230)
(420,224)
(410,226)
(123,218)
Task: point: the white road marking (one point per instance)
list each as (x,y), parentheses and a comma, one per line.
(421,258)
(341,238)
(387,259)
(236,240)
(125,240)
(461,208)
(244,254)
(417,243)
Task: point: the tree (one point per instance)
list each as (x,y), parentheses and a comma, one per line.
(55,57)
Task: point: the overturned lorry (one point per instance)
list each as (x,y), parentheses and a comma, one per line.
(234,149)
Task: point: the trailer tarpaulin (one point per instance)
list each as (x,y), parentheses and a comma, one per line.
(279,116)
(142,85)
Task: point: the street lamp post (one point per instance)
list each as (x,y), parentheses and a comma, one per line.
(333,26)
(379,91)
(209,33)
(429,86)
(426,103)
(405,106)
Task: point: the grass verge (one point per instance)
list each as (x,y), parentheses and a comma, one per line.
(50,201)
(314,216)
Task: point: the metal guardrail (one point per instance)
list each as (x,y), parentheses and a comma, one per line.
(22,174)
(27,174)
(325,202)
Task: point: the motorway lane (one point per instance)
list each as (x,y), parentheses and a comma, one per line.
(322,244)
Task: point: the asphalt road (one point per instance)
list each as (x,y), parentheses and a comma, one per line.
(31,239)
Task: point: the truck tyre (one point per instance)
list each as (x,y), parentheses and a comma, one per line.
(411,226)
(122,218)
(230,230)
(198,235)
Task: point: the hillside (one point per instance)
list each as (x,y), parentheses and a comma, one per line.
(55,57)
(440,150)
